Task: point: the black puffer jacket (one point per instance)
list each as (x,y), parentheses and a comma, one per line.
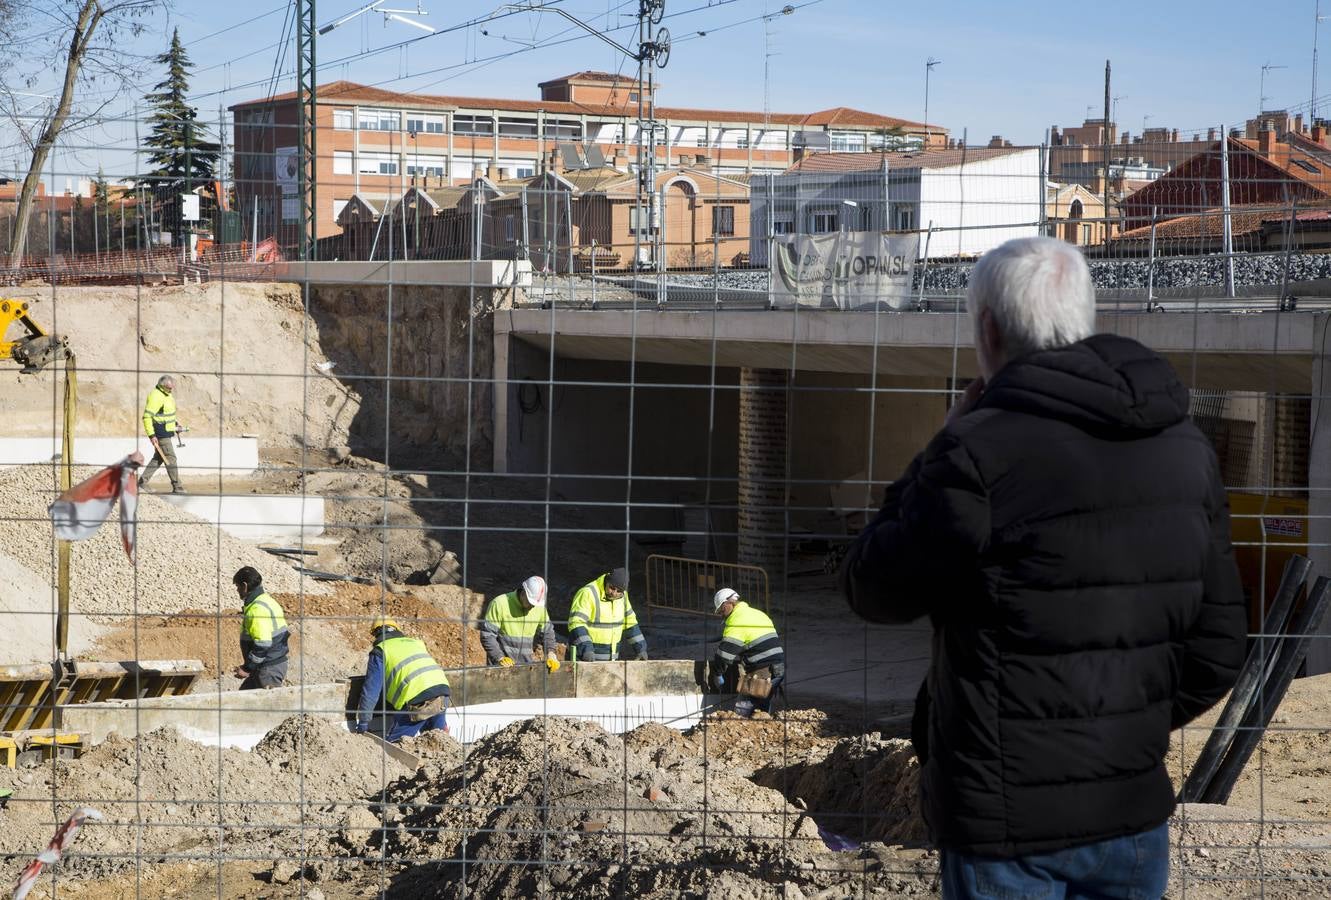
(1069,539)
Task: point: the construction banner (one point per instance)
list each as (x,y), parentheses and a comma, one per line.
(843,270)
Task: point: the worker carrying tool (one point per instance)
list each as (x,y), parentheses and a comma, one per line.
(160,425)
(404,687)
(263,634)
(602,617)
(750,656)
(511,624)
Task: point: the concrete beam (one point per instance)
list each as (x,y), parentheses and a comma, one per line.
(484,273)
(1218,350)
(257,517)
(630,692)
(237,457)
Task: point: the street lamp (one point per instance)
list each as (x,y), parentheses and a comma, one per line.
(928,67)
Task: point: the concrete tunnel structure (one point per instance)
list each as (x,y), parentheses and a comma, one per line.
(619,696)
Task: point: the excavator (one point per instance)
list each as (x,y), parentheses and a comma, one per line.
(38,348)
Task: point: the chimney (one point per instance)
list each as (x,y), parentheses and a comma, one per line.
(1173,136)
(1266,140)
(491,170)
(1196,137)
(1210,134)
(618,161)
(1055,136)
(1319,133)
(686,159)
(1298,122)
(996,141)
(554,161)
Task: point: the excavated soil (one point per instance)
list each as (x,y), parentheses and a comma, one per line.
(329,633)
(165,797)
(246,357)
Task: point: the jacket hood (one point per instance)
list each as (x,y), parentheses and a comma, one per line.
(1106,384)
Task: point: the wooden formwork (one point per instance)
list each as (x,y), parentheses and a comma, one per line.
(32,696)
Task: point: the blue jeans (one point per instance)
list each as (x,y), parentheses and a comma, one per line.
(1133,867)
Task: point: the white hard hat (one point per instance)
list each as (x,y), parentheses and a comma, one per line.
(722,596)
(534,588)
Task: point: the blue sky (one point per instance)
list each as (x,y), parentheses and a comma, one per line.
(1010,68)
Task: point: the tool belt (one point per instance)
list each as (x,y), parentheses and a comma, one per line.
(756,684)
(426,710)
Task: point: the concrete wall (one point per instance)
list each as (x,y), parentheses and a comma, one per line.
(438,337)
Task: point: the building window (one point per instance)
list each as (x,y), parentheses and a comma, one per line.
(524,172)
(563,130)
(1086,234)
(783,226)
(378,119)
(473,125)
(723,220)
(426,165)
(637,213)
(848,142)
(903,218)
(823,223)
(633,96)
(342,119)
(742,142)
(376,163)
(508,228)
(423,124)
(519,128)
(705,138)
(343,163)
(338,206)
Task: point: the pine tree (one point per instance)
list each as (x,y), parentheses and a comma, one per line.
(182,157)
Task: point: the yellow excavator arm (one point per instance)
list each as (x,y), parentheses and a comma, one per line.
(36,349)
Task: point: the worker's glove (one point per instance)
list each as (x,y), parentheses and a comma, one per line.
(718,682)
(642,654)
(505,661)
(585,651)
(359,727)
(551,663)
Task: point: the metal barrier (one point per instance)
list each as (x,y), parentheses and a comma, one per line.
(684,585)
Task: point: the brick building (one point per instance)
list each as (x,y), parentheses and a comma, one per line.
(378,143)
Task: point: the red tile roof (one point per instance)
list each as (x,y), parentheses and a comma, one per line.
(350,92)
(591,76)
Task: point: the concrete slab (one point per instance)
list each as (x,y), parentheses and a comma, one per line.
(257,517)
(199,456)
(615,714)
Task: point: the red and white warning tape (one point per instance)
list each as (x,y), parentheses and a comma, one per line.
(64,836)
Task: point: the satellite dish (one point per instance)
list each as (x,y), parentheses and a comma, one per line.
(662,48)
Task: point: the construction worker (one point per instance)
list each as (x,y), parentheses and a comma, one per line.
(511,623)
(263,634)
(403,685)
(602,617)
(160,425)
(748,641)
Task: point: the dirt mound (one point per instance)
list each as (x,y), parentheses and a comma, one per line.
(865,788)
(253,359)
(164,795)
(184,562)
(607,816)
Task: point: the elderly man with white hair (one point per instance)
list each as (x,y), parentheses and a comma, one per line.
(160,425)
(1067,534)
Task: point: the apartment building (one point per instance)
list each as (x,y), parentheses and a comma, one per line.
(377,143)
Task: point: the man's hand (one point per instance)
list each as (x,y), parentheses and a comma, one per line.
(156,446)
(966,402)
(551,663)
(239,672)
(718,682)
(359,727)
(642,654)
(505,661)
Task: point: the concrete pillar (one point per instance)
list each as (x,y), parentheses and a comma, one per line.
(762,469)
(1319,481)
